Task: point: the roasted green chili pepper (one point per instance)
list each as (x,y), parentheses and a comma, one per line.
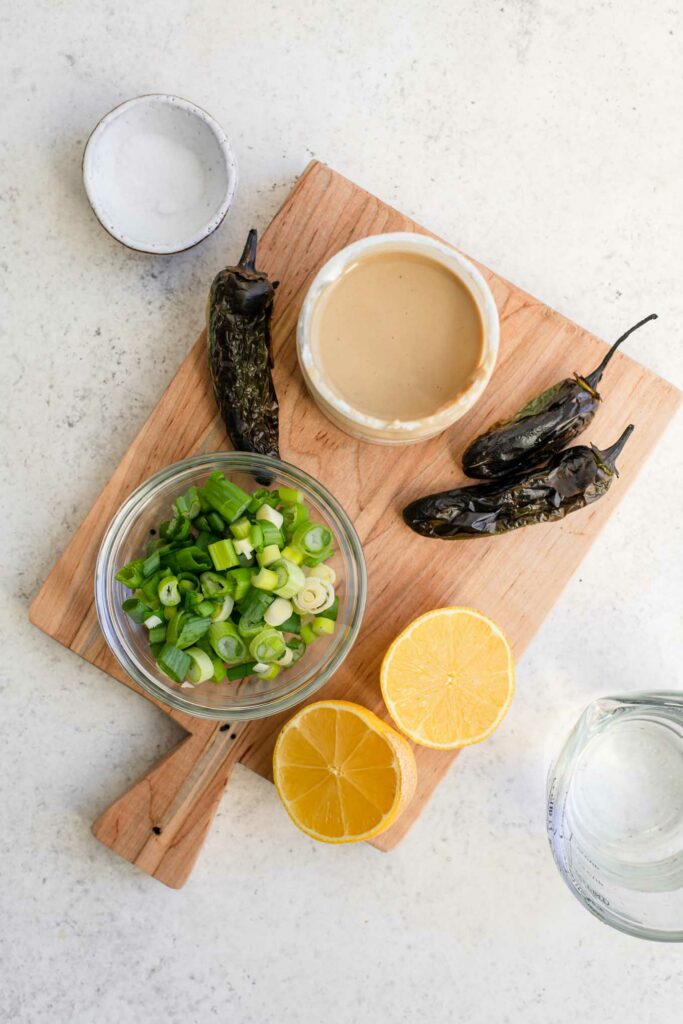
(240,356)
(543,426)
(572,479)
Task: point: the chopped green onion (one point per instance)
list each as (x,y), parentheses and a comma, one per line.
(265,579)
(292,555)
(204,538)
(151,564)
(290,496)
(332,612)
(314,596)
(312,561)
(131,575)
(297,646)
(270,554)
(294,578)
(149,591)
(322,626)
(240,671)
(195,589)
(168,591)
(262,496)
(191,600)
(241,529)
(255,603)
(214,585)
(186,629)
(223,554)
(272,535)
(173,662)
(256,536)
(307,634)
(218,669)
(188,504)
(226,498)
(222,609)
(227,642)
(193,559)
(268,514)
(188,581)
(293,516)
(312,539)
(268,645)
(157,635)
(177,528)
(243,547)
(136,610)
(201,667)
(292,624)
(278,612)
(324,572)
(270,672)
(216,523)
(242,582)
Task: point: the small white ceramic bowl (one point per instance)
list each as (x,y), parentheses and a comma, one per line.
(396,431)
(159,173)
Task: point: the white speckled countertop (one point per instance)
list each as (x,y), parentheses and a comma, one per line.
(544,139)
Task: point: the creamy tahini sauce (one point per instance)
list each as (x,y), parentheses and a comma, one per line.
(397,335)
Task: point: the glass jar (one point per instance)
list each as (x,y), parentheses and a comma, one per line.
(615,813)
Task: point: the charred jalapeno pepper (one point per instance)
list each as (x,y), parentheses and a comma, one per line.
(240,356)
(543,426)
(572,479)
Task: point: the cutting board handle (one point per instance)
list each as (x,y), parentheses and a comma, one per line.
(160,823)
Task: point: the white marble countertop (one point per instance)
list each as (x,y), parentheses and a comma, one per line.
(544,139)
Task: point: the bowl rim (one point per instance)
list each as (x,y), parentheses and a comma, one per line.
(231,170)
(104,571)
(362,424)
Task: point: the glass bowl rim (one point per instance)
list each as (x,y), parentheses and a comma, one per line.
(245,462)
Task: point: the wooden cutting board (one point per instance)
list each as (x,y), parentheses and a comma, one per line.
(161,823)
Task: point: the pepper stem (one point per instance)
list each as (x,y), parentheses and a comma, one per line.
(610,455)
(594,378)
(248,257)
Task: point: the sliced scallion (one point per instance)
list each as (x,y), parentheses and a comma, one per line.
(168,591)
(241,529)
(136,610)
(173,662)
(201,666)
(265,579)
(225,497)
(292,555)
(227,642)
(291,580)
(268,514)
(268,645)
(270,554)
(278,612)
(242,582)
(222,609)
(223,554)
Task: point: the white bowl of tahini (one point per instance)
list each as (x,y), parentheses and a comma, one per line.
(397,337)
(159,173)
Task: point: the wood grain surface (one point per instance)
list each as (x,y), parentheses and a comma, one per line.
(514,579)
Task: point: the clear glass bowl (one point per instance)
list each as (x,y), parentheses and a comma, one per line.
(252,698)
